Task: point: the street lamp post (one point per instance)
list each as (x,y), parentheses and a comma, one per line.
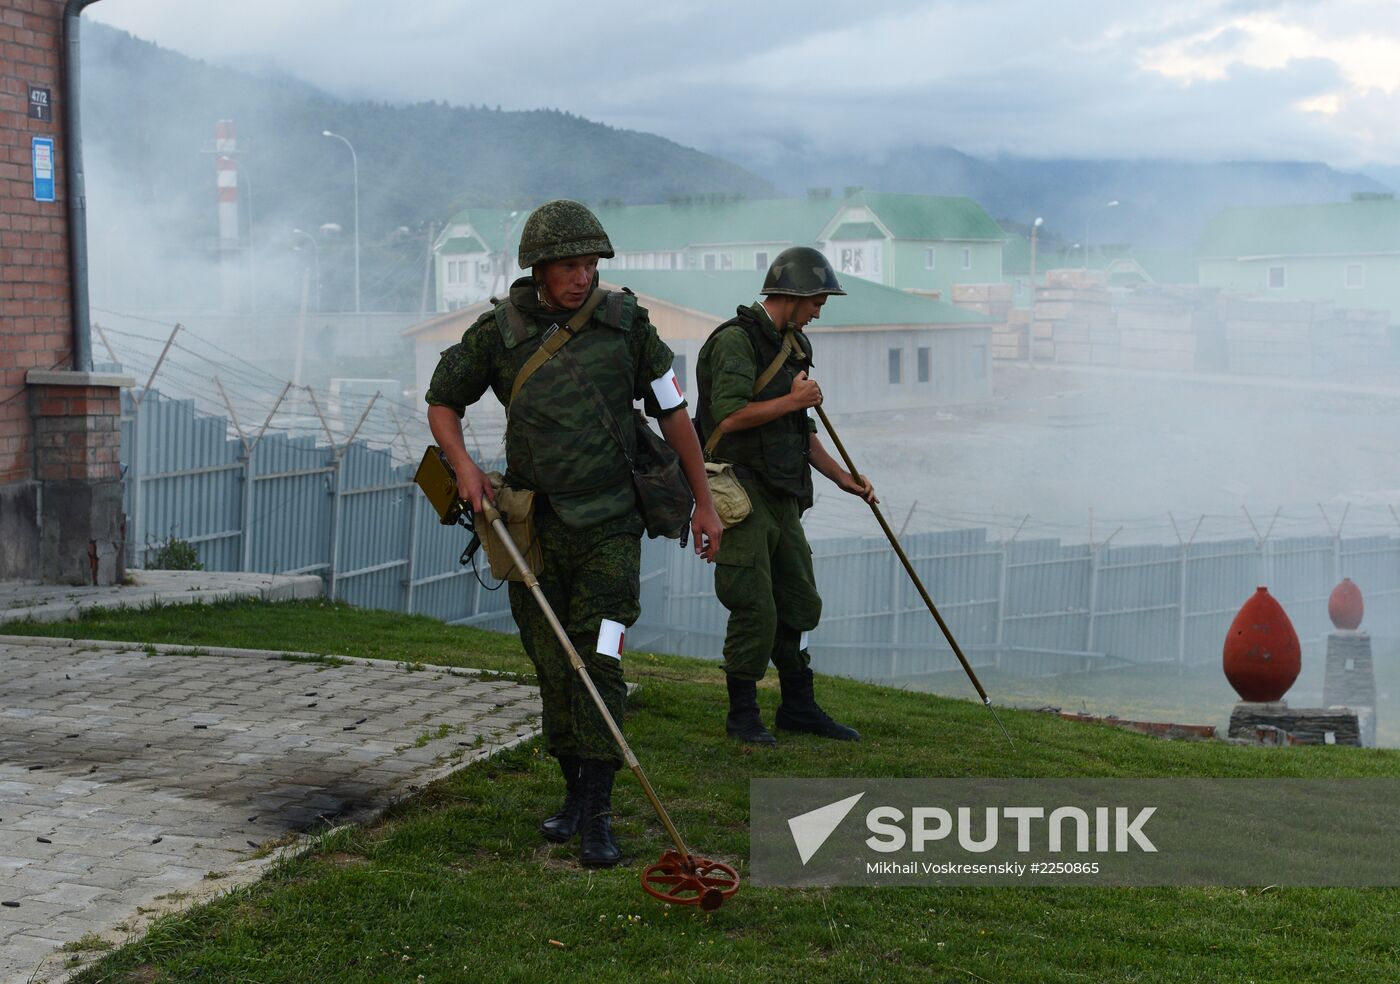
(1035,228)
(315,261)
(355,168)
(1030,328)
(508,223)
(301,319)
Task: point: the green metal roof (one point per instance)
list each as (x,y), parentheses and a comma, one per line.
(718,293)
(463,244)
(673,227)
(856,230)
(929,217)
(490,225)
(1368,226)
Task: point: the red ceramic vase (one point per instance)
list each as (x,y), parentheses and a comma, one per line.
(1345,605)
(1262,655)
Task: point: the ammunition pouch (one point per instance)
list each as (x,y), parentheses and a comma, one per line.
(516,506)
(731,501)
(517,509)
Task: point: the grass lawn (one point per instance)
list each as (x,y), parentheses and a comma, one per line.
(455,884)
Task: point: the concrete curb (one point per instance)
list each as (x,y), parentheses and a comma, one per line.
(154,588)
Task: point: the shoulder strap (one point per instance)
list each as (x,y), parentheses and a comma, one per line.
(555,340)
(789,343)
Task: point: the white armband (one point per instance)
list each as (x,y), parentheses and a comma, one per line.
(610,637)
(667,391)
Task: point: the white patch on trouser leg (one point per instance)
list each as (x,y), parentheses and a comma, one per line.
(610,636)
(802,641)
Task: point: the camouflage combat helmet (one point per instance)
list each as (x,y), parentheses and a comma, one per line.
(801,271)
(560,229)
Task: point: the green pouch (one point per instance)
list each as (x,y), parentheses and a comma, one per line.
(517,508)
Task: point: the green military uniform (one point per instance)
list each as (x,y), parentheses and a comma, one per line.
(586,517)
(763,573)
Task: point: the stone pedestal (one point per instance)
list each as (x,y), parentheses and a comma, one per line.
(1349,679)
(77,447)
(1275,723)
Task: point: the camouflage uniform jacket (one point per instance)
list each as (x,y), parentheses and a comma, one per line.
(730,362)
(557,441)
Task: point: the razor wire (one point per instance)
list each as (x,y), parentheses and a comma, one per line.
(178,362)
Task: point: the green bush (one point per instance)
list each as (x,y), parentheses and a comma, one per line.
(173,554)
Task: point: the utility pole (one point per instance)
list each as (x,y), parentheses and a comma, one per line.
(427,271)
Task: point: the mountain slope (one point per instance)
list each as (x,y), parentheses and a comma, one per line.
(149,113)
(1161,202)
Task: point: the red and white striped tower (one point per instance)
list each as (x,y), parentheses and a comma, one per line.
(226,165)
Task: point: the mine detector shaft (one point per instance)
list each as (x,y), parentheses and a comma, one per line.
(679,876)
(913,576)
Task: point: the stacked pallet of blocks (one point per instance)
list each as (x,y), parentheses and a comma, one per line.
(1350,338)
(1074,320)
(1168,328)
(1302,338)
(1010,338)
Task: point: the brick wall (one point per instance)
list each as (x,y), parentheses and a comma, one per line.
(77,434)
(35,331)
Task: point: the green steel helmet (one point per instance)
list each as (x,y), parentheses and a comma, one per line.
(561,229)
(801,271)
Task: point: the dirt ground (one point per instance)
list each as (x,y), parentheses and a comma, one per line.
(1084,454)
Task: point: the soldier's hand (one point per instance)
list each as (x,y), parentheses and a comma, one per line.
(805,393)
(705,532)
(472,484)
(862,488)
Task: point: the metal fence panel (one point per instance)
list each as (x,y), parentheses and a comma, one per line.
(352,515)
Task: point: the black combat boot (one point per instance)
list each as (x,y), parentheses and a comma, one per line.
(743,721)
(799,710)
(564,825)
(599,849)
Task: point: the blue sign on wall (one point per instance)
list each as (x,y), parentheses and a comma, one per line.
(43,169)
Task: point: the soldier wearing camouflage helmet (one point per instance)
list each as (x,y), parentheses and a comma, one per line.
(585,514)
(754,398)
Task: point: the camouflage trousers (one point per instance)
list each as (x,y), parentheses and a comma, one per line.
(764,576)
(588,575)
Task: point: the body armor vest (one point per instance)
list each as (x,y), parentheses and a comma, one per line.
(778,451)
(555,442)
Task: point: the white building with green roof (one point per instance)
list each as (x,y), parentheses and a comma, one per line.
(877,348)
(474,256)
(1345,253)
(711,236)
(910,242)
(914,242)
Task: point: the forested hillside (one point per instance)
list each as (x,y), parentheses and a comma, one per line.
(149,116)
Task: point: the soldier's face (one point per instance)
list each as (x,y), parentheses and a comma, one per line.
(807,310)
(566,283)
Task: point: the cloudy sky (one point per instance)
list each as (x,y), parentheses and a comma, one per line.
(1190,79)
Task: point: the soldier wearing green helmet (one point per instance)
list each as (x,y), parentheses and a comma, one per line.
(754,398)
(559,447)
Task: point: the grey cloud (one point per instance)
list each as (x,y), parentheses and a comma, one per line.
(1016,75)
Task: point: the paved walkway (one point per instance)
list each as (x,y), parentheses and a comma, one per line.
(136,779)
